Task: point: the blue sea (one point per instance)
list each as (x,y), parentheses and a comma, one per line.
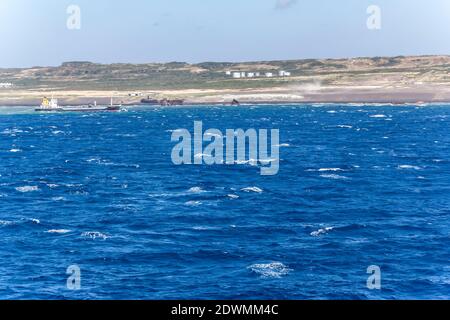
(358,186)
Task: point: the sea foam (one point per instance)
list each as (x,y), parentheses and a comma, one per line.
(410,167)
(334,176)
(330,169)
(252,189)
(321,231)
(27,189)
(94,235)
(270,270)
(59,231)
(196,190)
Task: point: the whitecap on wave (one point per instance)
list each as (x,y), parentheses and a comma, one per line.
(25,189)
(203,228)
(58,199)
(94,235)
(58,231)
(12,131)
(407,166)
(252,189)
(330,169)
(321,231)
(334,176)
(196,190)
(270,270)
(193,203)
(105,162)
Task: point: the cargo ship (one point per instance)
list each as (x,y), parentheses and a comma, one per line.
(51,105)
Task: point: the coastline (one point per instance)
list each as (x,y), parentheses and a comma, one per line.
(386,80)
(280,104)
(274,96)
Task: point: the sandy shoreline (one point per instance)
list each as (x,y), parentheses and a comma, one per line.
(393,80)
(436,93)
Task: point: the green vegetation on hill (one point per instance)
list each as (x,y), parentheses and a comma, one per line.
(211,75)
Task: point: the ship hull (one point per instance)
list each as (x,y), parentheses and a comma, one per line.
(48,109)
(150,102)
(80,109)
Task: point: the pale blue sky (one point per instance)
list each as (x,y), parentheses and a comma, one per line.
(35,33)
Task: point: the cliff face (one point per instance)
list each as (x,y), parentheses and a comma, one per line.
(212,75)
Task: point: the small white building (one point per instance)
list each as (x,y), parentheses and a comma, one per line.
(283,73)
(237,75)
(257,74)
(269,74)
(250,75)
(228,73)
(6,85)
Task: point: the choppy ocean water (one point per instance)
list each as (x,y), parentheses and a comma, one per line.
(357,186)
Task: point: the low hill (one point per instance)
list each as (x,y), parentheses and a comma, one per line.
(310,79)
(211,75)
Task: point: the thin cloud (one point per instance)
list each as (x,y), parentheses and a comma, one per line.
(284,4)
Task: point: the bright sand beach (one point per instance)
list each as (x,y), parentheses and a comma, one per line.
(323,94)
